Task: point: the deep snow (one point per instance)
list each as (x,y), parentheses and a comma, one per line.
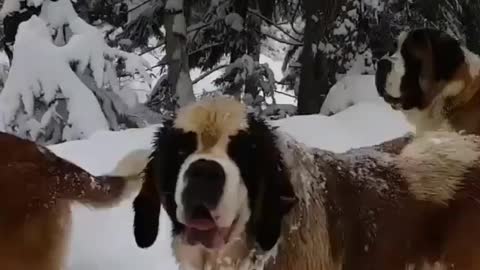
(104,239)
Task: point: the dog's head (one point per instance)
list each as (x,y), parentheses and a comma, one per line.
(219,174)
(420,68)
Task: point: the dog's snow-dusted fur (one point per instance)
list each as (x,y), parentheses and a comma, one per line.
(36,190)
(434,81)
(411,203)
(323,232)
(214,119)
(427,180)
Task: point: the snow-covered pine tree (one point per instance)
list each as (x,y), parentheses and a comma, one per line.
(62,84)
(230,32)
(219,34)
(166,22)
(241,31)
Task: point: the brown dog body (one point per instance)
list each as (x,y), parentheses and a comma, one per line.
(386,207)
(36,190)
(412,203)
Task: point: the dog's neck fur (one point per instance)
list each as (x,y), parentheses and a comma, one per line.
(458,101)
(305,231)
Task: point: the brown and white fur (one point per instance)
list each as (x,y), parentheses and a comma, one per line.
(405,204)
(433,80)
(36,190)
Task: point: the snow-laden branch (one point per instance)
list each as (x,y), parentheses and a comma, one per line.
(133,63)
(40,71)
(87,47)
(206,74)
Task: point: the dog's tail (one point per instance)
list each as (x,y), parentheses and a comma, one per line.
(75,184)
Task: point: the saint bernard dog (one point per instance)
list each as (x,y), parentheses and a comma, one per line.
(433,80)
(36,190)
(242,195)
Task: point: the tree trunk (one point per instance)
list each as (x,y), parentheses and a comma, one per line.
(253,49)
(176,48)
(471,22)
(314,71)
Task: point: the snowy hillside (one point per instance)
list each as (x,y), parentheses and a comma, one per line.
(104,239)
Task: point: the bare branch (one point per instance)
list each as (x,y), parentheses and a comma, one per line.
(254,12)
(286,94)
(282,40)
(208,46)
(200,26)
(152,48)
(160,64)
(208,73)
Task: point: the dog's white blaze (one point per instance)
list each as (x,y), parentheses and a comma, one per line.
(394,78)
(473,62)
(233,202)
(401,38)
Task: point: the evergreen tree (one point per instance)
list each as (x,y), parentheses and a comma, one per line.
(66,86)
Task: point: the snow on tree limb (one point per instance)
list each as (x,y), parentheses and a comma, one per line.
(42,71)
(133,63)
(48,72)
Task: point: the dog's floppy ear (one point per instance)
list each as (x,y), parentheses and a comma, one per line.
(170,148)
(275,196)
(439,53)
(147,204)
(147,211)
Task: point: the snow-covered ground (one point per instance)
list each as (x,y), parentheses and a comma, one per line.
(103,240)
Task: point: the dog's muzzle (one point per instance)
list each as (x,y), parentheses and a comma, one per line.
(205,180)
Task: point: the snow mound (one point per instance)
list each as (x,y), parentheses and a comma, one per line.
(349,91)
(103,239)
(360,125)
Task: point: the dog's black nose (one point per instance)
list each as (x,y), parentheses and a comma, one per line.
(384,67)
(205,180)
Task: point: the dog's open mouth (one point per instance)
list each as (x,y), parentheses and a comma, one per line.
(206,232)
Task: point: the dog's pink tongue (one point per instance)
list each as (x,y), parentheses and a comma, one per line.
(206,233)
(212,238)
(202,224)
